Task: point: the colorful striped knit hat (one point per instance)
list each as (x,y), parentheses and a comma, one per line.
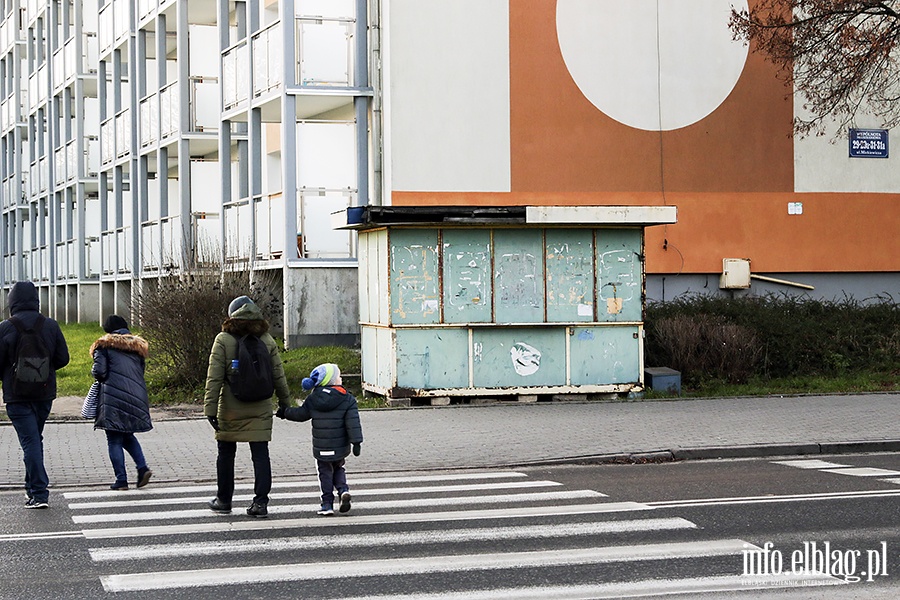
(322,376)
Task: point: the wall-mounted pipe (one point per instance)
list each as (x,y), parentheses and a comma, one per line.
(782,281)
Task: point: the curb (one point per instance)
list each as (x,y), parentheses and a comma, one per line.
(719,452)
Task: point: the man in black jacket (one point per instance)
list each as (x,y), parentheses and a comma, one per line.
(28,414)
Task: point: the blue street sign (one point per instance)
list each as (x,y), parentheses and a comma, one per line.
(868,143)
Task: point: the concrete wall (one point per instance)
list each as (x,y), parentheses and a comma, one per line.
(321,306)
(862,287)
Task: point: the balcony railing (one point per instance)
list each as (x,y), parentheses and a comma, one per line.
(92,257)
(37,264)
(270,213)
(116,245)
(67,259)
(325,51)
(161,243)
(9,32)
(105,29)
(267,59)
(146,8)
(235,70)
(168,111)
(107,141)
(39,175)
(37,88)
(123,132)
(238,219)
(204,107)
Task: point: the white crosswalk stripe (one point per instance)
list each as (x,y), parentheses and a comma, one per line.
(431,528)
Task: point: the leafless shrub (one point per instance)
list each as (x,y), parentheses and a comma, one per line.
(706,346)
(181,314)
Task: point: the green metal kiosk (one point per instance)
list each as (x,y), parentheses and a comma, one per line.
(468,302)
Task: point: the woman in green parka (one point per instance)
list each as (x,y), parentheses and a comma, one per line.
(236,421)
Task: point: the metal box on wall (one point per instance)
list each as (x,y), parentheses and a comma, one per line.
(477,301)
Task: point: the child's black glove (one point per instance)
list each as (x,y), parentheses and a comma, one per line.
(356,449)
(214,422)
(280,412)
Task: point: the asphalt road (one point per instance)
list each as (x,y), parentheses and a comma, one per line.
(610,531)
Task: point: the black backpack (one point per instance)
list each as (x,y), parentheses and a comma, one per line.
(31,367)
(253,380)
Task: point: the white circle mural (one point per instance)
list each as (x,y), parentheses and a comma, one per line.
(651,64)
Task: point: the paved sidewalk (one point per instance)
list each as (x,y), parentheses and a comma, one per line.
(506,434)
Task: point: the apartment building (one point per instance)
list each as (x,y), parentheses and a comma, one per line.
(140,135)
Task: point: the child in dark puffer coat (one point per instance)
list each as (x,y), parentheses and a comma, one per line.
(336,431)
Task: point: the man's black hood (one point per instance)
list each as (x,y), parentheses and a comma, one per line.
(23,296)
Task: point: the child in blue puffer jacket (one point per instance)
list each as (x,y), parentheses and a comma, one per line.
(336,431)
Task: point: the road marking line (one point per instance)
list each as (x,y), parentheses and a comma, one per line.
(631,589)
(357,493)
(355,540)
(45,535)
(376,504)
(774,498)
(863,472)
(808,464)
(359,520)
(311,483)
(420,565)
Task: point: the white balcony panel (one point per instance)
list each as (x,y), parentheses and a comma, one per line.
(238,234)
(168,111)
(92,157)
(150,247)
(72,161)
(105,29)
(44,173)
(59,73)
(325,53)
(319,239)
(123,133)
(147,135)
(267,62)
(107,141)
(92,257)
(60,165)
(120,19)
(172,243)
(205,108)
(146,8)
(326,155)
(69,61)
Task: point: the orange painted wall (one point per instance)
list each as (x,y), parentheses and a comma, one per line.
(835,233)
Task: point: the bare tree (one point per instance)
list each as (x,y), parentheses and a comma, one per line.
(839,55)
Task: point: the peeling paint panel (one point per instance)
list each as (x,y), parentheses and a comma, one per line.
(570,274)
(518,276)
(467,282)
(414,276)
(619,275)
(378,356)
(433,359)
(602,355)
(519,357)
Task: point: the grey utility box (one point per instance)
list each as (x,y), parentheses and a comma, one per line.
(663,379)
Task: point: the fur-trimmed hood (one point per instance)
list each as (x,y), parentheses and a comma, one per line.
(125,342)
(241,327)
